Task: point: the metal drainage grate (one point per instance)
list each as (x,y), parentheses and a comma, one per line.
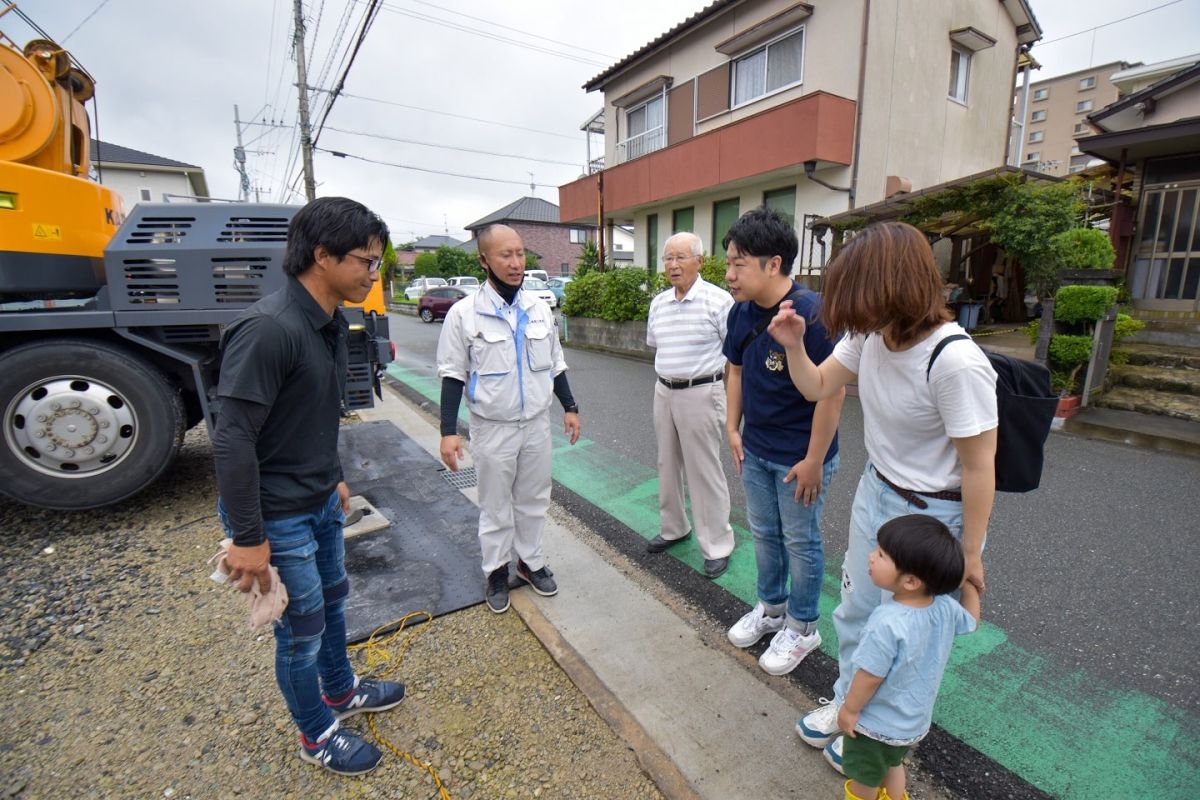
(463,479)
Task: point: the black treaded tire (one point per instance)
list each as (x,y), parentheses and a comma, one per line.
(426,315)
(145,394)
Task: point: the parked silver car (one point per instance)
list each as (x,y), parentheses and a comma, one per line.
(420,286)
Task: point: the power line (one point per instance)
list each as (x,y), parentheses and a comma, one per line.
(339,154)
(516,30)
(489,35)
(452,147)
(103,3)
(364,28)
(1106,24)
(457,116)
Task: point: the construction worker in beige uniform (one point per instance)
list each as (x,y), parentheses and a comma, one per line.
(499,346)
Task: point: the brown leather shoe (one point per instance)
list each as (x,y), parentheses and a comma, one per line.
(658,544)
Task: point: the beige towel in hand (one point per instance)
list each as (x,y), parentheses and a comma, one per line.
(265,608)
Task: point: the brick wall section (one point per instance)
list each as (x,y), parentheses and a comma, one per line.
(552,243)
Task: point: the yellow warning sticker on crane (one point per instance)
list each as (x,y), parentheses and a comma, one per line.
(47,233)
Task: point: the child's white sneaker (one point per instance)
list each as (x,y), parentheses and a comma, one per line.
(819,727)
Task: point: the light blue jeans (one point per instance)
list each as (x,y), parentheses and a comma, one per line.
(787,537)
(310,639)
(874,504)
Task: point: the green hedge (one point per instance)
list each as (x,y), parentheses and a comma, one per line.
(1082,248)
(1077,305)
(619,295)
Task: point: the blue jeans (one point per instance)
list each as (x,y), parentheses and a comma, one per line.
(787,537)
(310,639)
(874,504)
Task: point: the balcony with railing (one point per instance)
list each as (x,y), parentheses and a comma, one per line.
(641,144)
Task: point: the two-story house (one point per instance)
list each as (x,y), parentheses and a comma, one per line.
(557,245)
(810,108)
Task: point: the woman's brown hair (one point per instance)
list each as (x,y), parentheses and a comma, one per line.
(884,278)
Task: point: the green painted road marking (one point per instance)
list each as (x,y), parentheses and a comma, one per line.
(1061,730)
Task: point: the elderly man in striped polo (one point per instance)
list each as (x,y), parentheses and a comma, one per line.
(687,328)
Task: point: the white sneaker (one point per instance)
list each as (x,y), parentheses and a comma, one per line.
(818,728)
(787,650)
(833,754)
(753,626)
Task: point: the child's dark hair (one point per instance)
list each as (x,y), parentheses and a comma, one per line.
(922,546)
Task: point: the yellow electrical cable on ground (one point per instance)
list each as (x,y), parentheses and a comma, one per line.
(382,662)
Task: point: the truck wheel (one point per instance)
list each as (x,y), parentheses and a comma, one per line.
(86,424)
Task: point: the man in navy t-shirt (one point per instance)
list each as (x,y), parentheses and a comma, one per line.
(787,451)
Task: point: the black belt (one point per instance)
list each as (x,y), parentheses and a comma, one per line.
(915,497)
(688,383)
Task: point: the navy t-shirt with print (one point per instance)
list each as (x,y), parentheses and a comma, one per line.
(777,420)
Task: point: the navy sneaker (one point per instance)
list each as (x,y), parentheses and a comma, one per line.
(367,695)
(541,580)
(341,751)
(495,591)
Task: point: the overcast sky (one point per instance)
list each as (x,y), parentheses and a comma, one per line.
(169,72)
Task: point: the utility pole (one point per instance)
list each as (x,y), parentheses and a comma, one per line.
(310,182)
(239,158)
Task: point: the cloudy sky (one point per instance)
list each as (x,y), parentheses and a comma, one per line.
(479,76)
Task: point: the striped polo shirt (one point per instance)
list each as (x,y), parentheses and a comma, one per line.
(688,333)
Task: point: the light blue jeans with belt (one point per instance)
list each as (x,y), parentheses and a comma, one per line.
(874,504)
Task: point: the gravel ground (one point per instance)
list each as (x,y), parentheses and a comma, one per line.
(125,672)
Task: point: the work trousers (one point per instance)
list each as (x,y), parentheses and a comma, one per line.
(688,424)
(512,460)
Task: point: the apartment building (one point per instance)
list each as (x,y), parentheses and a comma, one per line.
(1056,115)
(811,108)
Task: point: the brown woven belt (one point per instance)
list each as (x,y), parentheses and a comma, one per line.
(916,498)
(687,383)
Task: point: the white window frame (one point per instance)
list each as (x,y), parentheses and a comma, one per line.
(1036,136)
(1036,155)
(1041,94)
(1075,151)
(1087,83)
(1034,117)
(578,236)
(1083,106)
(733,102)
(1080,127)
(961,91)
(648,140)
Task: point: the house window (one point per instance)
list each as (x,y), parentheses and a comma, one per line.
(145,194)
(652,242)
(1036,136)
(1087,83)
(1075,151)
(646,132)
(1034,156)
(1077,168)
(564,269)
(1038,116)
(1082,106)
(578,236)
(783,201)
(775,66)
(960,74)
(725,213)
(1081,127)
(683,219)
(1041,94)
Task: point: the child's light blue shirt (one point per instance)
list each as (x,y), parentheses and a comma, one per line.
(908,647)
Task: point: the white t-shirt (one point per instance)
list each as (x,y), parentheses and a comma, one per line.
(907,422)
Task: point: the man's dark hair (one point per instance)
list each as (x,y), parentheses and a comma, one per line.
(339,223)
(922,546)
(763,232)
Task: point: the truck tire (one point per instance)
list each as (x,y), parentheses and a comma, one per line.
(86,424)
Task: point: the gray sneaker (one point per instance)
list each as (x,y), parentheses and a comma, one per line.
(541,580)
(495,592)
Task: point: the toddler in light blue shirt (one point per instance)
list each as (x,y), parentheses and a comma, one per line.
(899,661)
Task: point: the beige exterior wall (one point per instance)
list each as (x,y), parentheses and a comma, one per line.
(911,127)
(1055,150)
(1180,105)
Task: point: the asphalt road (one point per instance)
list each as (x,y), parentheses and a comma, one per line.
(1092,577)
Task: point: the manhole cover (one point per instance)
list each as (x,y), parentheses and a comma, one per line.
(463,479)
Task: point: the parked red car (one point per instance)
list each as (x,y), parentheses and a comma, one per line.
(435,303)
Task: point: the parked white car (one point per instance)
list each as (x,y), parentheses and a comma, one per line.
(540,290)
(468,283)
(420,286)
(540,274)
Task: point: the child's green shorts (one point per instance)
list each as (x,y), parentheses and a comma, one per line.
(867,760)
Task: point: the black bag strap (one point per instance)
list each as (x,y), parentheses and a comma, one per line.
(938,350)
(766,320)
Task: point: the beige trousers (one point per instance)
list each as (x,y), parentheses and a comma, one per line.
(512,461)
(689,424)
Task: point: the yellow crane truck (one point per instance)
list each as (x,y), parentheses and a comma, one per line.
(110,322)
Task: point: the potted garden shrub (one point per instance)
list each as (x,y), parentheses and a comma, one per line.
(1084,256)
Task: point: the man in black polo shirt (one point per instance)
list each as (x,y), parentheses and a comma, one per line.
(282,497)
